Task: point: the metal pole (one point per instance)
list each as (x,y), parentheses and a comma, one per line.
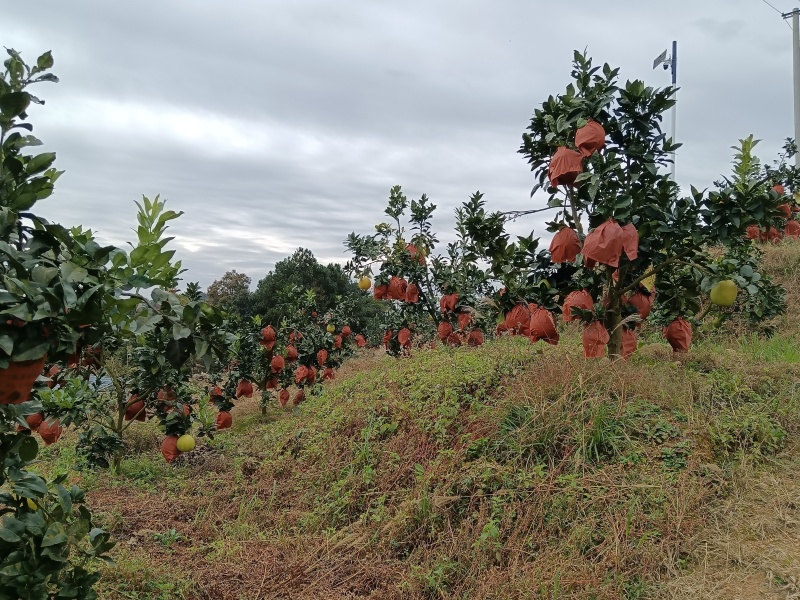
(796,68)
(675,83)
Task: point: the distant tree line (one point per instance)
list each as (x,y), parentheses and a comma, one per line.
(278,295)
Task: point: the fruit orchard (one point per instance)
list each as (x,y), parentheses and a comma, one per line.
(99,339)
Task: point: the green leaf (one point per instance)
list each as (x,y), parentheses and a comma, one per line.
(14,103)
(54,535)
(40,162)
(45,61)
(73,273)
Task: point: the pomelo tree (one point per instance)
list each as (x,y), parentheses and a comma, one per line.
(62,297)
(623,234)
(424,292)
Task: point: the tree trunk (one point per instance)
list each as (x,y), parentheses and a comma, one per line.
(613,320)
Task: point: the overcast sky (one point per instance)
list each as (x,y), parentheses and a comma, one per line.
(279,124)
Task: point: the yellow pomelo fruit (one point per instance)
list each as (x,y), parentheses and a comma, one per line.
(331,328)
(724,293)
(364,283)
(185,443)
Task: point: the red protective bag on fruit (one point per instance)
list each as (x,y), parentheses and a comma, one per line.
(300,374)
(630,241)
(779,188)
(322,357)
(268,337)
(361,341)
(312,375)
(299,397)
(397,288)
(291,353)
(272,383)
(404,337)
(381,291)
(169,448)
(464,319)
(387,337)
(579,299)
(595,339)
(244,388)
(453,340)
(565,166)
(590,138)
(792,229)
(224,420)
(448,303)
(679,335)
(518,319)
(565,246)
(753,232)
(34,421)
(277,364)
(444,330)
(328,374)
(629,342)
(415,254)
(346,331)
(337,342)
(543,327)
(604,244)
(475,338)
(786,210)
(642,301)
(135,409)
(412,293)
(283,397)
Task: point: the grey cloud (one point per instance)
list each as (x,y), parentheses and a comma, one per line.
(275,124)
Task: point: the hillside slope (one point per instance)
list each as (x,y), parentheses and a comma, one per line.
(509,471)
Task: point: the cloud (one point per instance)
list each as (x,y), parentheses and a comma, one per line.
(275,125)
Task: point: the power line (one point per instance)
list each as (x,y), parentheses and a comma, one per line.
(777,11)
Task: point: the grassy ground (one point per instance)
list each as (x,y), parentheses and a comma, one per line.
(510,471)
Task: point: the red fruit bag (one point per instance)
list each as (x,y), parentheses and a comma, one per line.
(135,409)
(630,241)
(590,138)
(792,229)
(283,397)
(244,388)
(381,291)
(361,341)
(299,397)
(565,246)
(543,327)
(169,448)
(475,338)
(397,288)
(464,319)
(580,299)
(444,330)
(224,420)
(642,301)
(595,339)
(300,374)
(328,374)
(412,293)
(346,331)
(322,357)
(277,364)
(629,342)
(448,303)
(604,244)
(565,166)
(404,337)
(291,353)
(679,335)
(518,319)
